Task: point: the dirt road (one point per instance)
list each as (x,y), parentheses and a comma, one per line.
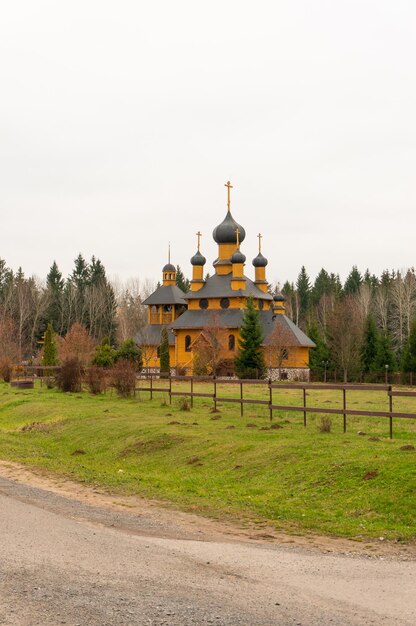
(68,560)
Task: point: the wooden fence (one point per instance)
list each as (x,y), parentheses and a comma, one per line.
(153,385)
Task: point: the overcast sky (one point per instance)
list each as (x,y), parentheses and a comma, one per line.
(121,121)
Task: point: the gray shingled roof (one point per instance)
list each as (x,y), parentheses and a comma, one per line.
(150,335)
(166,294)
(232,318)
(218,286)
(288,327)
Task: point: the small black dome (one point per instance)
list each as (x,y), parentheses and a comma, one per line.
(225,232)
(238,257)
(279,297)
(169,268)
(260,260)
(198,259)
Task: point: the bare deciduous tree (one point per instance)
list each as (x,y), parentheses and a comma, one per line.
(277,345)
(209,348)
(345,334)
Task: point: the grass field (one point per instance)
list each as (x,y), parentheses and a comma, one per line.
(224,465)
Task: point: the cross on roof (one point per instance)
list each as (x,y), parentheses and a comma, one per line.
(199,235)
(260,237)
(229,187)
(237,234)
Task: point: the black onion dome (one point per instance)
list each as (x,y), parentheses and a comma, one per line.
(279,297)
(198,259)
(238,257)
(225,232)
(260,260)
(169,268)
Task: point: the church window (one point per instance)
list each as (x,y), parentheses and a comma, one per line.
(284,354)
(203,303)
(188,341)
(261,305)
(167,308)
(231,342)
(225,303)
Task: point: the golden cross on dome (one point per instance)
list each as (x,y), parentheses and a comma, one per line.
(199,235)
(229,187)
(237,234)
(260,238)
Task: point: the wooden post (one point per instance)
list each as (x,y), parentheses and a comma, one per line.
(304,406)
(170,388)
(270,399)
(241,397)
(215,393)
(151,387)
(192,392)
(391,412)
(344,404)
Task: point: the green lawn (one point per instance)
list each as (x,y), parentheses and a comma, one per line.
(297,478)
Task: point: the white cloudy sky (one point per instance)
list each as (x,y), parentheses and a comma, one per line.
(121,121)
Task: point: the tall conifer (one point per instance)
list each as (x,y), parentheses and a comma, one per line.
(249,362)
(369,345)
(50,354)
(164,351)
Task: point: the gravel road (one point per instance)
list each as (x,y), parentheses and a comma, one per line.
(64,560)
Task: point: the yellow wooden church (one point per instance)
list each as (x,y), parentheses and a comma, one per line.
(214,307)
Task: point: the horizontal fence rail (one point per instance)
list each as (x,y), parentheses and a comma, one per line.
(270,386)
(153,383)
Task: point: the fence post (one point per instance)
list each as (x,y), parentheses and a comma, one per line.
(391,411)
(241,397)
(270,399)
(344,406)
(304,406)
(215,393)
(151,387)
(192,392)
(170,388)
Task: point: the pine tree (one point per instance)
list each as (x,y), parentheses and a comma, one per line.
(384,355)
(319,356)
(336,286)
(55,287)
(50,354)
(409,353)
(164,351)
(249,362)
(370,345)
(182,282)
(129,351)
(81,273)
(96,272)
(104,355)
(6,278)
(303,287)
(353,282)
(322,286)
(370,279)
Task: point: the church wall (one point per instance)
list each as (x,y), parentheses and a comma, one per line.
(297,357)
(185,358)
(150,358)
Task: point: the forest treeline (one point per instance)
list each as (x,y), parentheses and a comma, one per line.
(365,326)
(360,326)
